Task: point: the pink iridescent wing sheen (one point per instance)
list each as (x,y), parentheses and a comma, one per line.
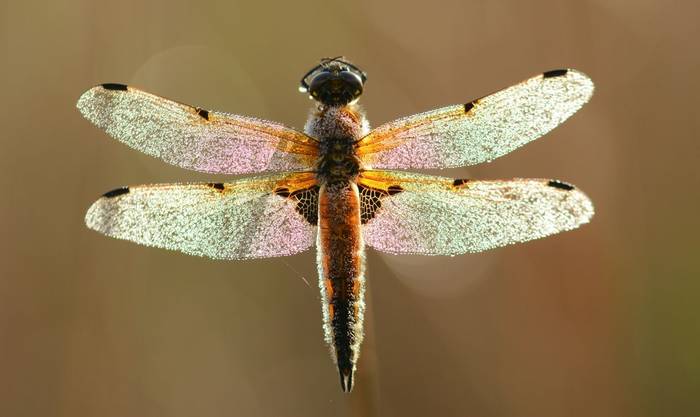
(479,131)
(195,138)
(427,215)
(258,217)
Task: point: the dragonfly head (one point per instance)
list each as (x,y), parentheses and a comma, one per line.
(334,82)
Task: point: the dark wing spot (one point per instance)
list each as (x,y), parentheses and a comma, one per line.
(204,114)
(555,73)
(282,192)
(114,86)
(307,203)
(561,185)
(460,181)
(216,185)
(371,200)
(116,192)
(394,189)
(468,106)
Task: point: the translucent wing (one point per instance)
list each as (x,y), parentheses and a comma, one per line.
(427,215)
(195,138)
(478,131)
(251,218)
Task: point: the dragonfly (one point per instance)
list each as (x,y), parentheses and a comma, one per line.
(338,184)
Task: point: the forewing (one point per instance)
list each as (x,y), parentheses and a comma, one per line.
(195,138)
(255,217)
(427,215)
(481,130)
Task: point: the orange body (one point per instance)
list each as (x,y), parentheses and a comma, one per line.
(340,248)
(341,272)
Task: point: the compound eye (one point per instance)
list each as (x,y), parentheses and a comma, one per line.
(335,86)
(318,81)
(353,81)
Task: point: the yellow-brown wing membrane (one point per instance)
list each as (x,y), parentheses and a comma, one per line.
(427,215)
(195,138)
(257,217)
(479,131)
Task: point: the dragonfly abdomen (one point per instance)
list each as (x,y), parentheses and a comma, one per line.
(341,274)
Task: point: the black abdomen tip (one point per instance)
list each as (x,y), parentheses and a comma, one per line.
(116,192)
(114,86)
(345,378)
(561,185)
(555,73)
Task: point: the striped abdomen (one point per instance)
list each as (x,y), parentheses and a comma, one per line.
(341,274)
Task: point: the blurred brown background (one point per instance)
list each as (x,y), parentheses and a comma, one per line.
(601,321)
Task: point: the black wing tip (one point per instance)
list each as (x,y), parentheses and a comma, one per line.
(217,185)
(561,185)
(116,192)
(204,114)
(468,106)
(459,182)
(114,86)
(555,73)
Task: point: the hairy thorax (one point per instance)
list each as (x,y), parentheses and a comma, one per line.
(337,129)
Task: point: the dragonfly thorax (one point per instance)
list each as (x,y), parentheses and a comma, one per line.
(337,129)
(336,122)
(337,162)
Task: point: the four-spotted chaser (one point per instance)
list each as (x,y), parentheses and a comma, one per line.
(335,184)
